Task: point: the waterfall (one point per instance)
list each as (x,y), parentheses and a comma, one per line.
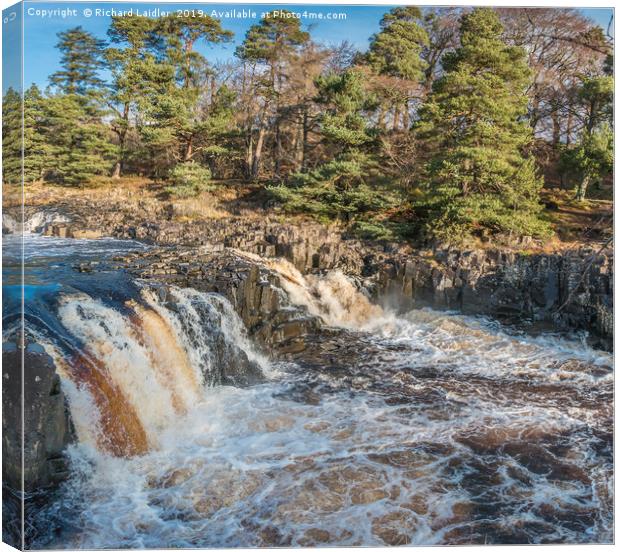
(36,223)
(333,297)
(9,224)
(209,329)
(137,370)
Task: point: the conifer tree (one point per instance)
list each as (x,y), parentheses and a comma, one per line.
(174,102)
(36,148)
(181,35)
(395,54)
(71,122)
(132,63)
(272,43)
(78,143)
(11,137)
(477,177)
(591,158)
(343,187)
(396,50)
(81,61)
(397,71)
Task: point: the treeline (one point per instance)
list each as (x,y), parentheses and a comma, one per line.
(446,124)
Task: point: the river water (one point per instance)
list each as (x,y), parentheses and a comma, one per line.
(450,430)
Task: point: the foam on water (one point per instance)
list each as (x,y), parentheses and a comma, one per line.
(333,297)
(451,430)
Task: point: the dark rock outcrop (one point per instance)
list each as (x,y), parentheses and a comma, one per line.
(253,290)
(47,427)
(568,291)
(572,291)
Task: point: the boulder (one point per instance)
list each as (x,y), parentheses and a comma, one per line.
(47,428)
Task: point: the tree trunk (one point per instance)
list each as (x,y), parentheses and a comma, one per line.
(569,128)
(304,142)
(556,129)
(381,118)
(249,157)
(592,116)
(582,189)
(534,118)
(396,117)
(298,146)
(277,148)
(213,90)
(277,142)
(258,152)
(189,150)
(406,115)
(122,137)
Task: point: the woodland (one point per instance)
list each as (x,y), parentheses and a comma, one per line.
(453,122)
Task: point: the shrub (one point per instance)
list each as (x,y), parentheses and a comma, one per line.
(189,180)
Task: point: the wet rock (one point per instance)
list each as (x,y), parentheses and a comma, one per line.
(253,290)
(47,425)
(570,290)
(315,536)
(541,462)
(87,233)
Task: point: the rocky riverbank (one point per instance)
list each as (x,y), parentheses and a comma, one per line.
(569,290)
(566,291)
(239,261)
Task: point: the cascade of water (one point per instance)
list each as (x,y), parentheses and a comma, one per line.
(138,371)
(445,429)
(333,297)
(210,331)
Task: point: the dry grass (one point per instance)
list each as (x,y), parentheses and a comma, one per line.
(575,223)
(206,206)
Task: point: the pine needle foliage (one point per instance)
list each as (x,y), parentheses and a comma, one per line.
(347,186)
(473,131)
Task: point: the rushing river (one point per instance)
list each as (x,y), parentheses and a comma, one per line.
(451,430)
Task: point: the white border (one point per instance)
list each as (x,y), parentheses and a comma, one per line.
(500,3)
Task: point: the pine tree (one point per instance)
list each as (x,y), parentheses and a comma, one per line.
(78,143)
(397,70)
(591,159)
(77,140)
(35,146)
(11,137)
(473,131)
(130,60)
(396,50)
(174,101)
(595,96)
(181,35)
(81,62)
(342,188)
(272,43)
(36,149)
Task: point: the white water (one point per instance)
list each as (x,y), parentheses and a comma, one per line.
(332,297)
(444,429)
(156,364)
(35,223)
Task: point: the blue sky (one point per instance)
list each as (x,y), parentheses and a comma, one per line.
(42,58)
